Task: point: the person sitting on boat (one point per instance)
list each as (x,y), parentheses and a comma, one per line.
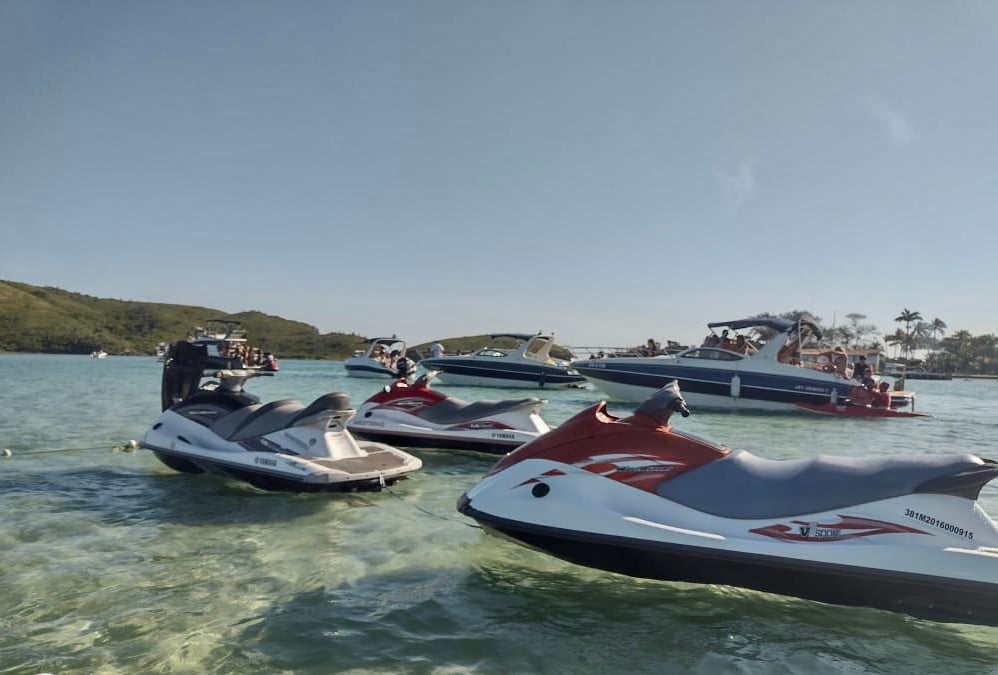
(882,396)
(840,361)
(862,394)
(269,362)
(711,340)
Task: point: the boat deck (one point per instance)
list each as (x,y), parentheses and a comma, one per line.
(376,460)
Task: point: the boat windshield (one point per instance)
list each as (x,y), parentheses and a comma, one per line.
(492,353)
(710,353)
(538,348)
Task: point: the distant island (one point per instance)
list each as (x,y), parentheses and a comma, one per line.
(51,320)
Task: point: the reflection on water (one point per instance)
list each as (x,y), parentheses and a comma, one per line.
(112,563)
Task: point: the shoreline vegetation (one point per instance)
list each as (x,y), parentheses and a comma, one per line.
(48,320)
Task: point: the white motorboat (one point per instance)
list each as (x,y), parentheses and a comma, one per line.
(378,359)
(529,365)
(228,348)
(218,427)
(733,374)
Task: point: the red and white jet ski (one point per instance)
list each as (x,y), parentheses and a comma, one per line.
(414,415)
(639,497)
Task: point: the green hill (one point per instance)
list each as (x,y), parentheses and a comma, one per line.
(51,320)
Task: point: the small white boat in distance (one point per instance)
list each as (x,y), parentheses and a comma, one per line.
(529,365)
(99,354)
(376,360)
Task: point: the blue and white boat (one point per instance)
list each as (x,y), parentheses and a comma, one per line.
(378,360)
(528,366)
(732,375)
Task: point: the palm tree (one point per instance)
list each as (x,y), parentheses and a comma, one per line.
(937,328)
(908,317)
(920,334)
(897,338)
(957,348)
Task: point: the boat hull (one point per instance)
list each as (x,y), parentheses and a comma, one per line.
(369,370)
(469,372)
(716,388)
(856,411)
(442,441)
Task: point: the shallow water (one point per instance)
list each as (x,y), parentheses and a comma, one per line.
(112,563)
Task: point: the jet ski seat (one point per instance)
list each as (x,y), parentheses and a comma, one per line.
(744,486)
(327,403)
(259,420)
(456,411)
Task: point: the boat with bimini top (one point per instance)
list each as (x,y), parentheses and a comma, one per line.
(733,372)
(378,360)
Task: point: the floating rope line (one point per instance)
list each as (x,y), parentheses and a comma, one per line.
(126,446)
(429,513)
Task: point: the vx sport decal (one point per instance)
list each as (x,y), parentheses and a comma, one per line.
(848,527)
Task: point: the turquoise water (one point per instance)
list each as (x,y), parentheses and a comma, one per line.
(111,563)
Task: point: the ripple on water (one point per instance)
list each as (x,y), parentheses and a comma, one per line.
(114,564)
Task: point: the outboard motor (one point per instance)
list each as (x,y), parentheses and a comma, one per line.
(667,400)
(182,372)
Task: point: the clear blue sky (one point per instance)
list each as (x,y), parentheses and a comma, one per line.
(608,171)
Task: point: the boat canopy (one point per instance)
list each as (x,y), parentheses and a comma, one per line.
(777,323)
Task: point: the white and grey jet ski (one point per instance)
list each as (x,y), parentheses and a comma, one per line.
(282,445)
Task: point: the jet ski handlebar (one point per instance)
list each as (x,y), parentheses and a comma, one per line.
(664,402)
(233,380)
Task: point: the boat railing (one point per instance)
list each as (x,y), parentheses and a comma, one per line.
(587,353)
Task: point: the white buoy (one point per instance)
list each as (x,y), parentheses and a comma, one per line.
(7,452)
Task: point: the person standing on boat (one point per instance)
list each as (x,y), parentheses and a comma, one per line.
(436,350)
(862,369)
(404,366)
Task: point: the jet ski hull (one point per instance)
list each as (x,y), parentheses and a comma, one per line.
(263,478)
(313,455)
(441,441)
(920,595)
